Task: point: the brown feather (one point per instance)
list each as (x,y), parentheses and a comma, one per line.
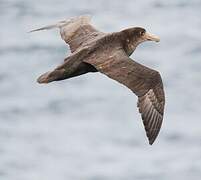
(143,81)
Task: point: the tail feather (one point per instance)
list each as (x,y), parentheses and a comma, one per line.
(61,73)
(51,76)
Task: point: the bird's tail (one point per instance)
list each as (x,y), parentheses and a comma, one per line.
(60,24)
(61,73)
(51,76)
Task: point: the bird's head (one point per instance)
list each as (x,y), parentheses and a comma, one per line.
(138,34)
(134,36)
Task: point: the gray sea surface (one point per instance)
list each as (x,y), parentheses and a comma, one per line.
(89,128)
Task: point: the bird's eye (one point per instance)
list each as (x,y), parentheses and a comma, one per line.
(142,33)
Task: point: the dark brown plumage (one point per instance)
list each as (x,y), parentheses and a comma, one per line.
(108,53)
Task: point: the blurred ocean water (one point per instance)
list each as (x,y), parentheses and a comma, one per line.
(88,128)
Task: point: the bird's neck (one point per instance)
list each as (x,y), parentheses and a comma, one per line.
(129,44)
(129,47)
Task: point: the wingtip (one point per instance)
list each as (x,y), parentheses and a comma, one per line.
(39,29)
(83,18)
(31,31)
(151,142)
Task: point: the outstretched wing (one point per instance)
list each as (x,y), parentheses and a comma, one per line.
(79,32)
(143,81)
(76,31)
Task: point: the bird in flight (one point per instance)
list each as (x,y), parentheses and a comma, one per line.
(108,53)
